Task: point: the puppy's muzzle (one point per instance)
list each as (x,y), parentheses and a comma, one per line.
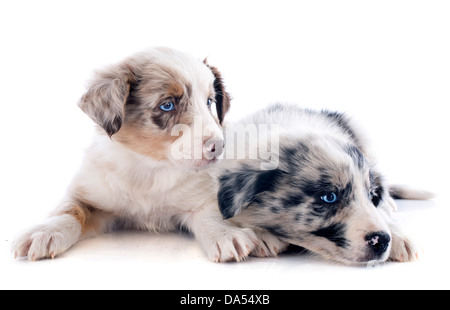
(213,148)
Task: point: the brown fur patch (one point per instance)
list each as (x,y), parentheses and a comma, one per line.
(79,214)
(91,219)
(175,90)
(144,141)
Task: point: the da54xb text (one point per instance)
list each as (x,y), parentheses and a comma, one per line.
(241,299)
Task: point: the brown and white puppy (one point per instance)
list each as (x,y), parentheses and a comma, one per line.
(147,168)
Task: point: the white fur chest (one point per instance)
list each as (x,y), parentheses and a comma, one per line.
(151,193)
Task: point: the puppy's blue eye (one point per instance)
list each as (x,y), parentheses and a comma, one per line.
(168,106)
(209,102)
(329,197)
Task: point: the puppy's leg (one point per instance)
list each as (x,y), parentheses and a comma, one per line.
(402,248)
(220,239)
(69,224)
(268,244)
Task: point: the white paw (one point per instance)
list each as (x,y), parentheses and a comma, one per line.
(403,249)
(268,245)
(49,239)
(230,244)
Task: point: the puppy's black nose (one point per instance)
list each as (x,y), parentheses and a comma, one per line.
(378,242)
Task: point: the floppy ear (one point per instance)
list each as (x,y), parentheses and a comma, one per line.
(239,189)
(222,97)
(105,99)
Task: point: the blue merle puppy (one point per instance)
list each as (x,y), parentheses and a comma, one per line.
(324,195)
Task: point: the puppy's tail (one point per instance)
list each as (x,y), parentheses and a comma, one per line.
(405,192)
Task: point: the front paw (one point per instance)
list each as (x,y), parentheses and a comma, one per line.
(49,239)
(268,245)
(403,249)
(230,244)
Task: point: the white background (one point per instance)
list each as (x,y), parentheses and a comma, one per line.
(385,62)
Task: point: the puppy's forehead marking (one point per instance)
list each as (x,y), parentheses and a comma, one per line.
(197,79)
(356,155)
(177,74)
(175,89)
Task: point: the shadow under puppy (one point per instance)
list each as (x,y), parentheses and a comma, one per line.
(134,175)
(325,195)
